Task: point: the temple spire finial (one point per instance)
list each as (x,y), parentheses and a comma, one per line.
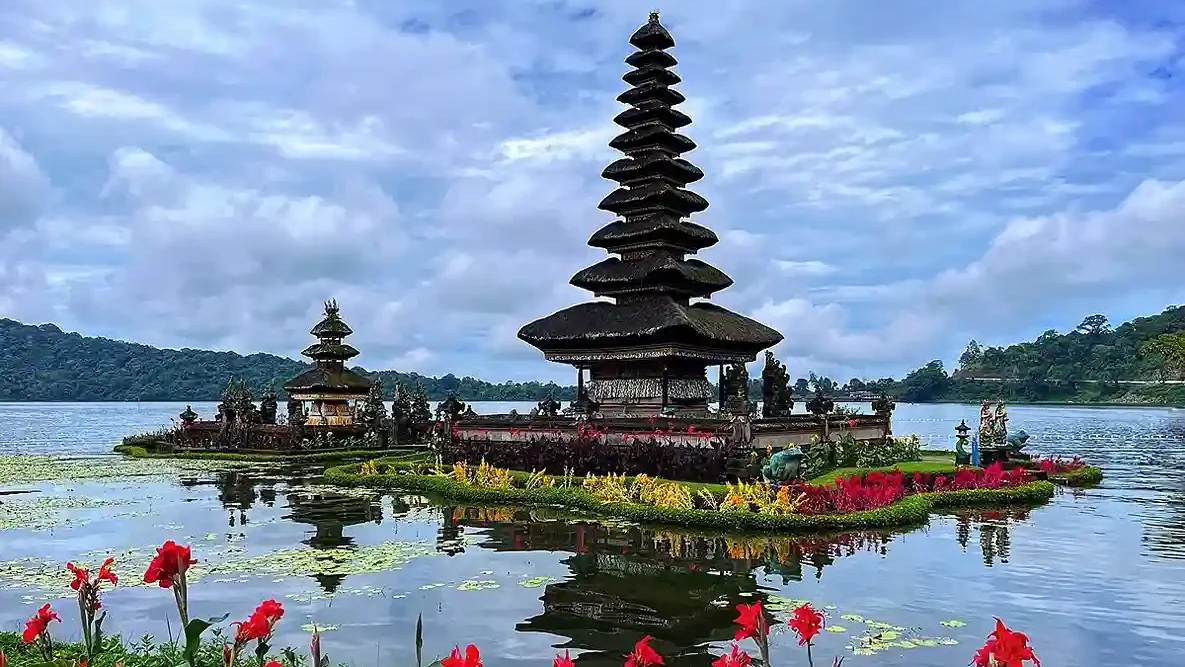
(654,16)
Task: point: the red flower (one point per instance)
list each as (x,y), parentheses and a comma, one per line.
(751,618)
(1005,648)
(472,657)
(737,658)
(643,654)
(273,663)
(851,423)
(806,622)
(261,622)
(564,660)
(169,563)
(38,624)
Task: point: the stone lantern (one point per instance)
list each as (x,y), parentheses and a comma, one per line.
(962,456)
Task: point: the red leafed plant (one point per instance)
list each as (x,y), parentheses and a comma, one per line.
(879,488)
(1054,465)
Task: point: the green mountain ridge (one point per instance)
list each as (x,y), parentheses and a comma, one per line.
(1092,363)
(44,363)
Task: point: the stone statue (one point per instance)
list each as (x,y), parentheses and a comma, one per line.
(775,389)
(987,427)
(296,415)
(883,405)
(1000,424)
(468,412)
(189,416)
(783,466)
(736,390)
(742,430)
(1017,441)
(820,404)
(549,407)
(450,407)
(268,407)
(514,415)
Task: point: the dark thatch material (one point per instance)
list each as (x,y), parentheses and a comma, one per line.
(655,231)
(630,170)
(652,280)
(652,35)
(332,351)
(615,276)
(329,381)
(652,321)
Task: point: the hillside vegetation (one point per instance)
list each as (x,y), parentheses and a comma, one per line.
(43,363)
(1092,363)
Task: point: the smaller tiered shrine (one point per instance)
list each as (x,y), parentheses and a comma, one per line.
(328,392)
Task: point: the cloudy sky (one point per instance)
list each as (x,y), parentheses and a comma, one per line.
(888,178)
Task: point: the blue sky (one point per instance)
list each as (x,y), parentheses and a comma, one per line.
(888,179)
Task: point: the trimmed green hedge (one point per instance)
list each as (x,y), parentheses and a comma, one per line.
(140,452)
(911,510)
(1085,476)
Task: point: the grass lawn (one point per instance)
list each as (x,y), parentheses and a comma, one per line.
(929,463)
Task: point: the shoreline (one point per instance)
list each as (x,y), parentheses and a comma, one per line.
(1060,404)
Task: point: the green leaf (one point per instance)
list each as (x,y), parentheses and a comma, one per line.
(193,636)
(436,663)
(420,640)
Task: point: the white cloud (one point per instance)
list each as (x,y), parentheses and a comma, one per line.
(883,188)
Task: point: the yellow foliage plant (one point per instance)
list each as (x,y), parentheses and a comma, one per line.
(492,477)
(369,469)
(672,495)
(608,489)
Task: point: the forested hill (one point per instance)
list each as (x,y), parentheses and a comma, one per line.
(43,363)
(1093,362)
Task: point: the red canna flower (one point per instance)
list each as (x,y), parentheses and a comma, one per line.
(261,622)
(472,657)
(273,663)
(643,654)
(564,660)
(737,658)
(38,624)
(751,618)
(851,423)
(170,562)
(1005,648)
(806,622)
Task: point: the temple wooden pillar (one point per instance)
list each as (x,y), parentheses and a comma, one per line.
(665,387)
(579,382)
(720,387)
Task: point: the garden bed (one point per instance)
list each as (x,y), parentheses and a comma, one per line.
(912,509)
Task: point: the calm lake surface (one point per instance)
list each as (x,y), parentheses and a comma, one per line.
(1095,577)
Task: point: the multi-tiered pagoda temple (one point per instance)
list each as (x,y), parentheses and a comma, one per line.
(647,351)
(329,390)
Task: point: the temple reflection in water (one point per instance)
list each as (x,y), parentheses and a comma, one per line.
(630,581)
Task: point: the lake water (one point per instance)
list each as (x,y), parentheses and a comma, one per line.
(1095,577)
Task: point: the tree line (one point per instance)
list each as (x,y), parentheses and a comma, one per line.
(43,363)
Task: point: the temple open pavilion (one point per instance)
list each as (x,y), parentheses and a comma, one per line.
(329,391)
(647,351)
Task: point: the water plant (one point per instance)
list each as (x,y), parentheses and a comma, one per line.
(1003,647)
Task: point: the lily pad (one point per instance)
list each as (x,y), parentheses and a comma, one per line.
(953,623)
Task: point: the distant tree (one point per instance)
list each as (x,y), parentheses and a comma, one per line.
(925,384)
(802,386)
(855,384)
(971,356)
(1094,326)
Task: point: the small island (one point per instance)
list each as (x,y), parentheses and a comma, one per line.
(641,439)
